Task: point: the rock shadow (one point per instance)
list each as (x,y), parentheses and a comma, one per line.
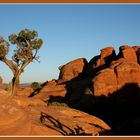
(61,128)
(120,110)
(36,91)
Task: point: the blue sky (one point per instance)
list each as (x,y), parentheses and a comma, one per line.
(69,32)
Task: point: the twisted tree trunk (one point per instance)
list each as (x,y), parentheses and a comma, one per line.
(15,80)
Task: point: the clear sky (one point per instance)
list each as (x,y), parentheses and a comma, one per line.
(69,32)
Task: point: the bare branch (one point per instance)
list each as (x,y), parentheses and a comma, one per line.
(35,54)
(19,44)
(22,67)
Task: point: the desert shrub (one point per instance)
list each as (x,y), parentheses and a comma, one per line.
(35,85)
(57,104)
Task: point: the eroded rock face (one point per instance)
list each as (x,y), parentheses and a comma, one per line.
(127,72)
(107,55)
(120,73)
(72,70)
(138,55)
(128,53)
(105,82)
(101,61)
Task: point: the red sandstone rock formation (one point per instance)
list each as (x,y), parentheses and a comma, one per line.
(51,89)
(128,53)
(111,79)
(138,55)
(71,70)
(123,71)
(113,73)
(117,71)
(105,82)
(101,61)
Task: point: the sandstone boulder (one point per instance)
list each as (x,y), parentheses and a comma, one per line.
(137,51)
(102,61)
(72,70)
(107,55)
(105,82)
(51,88)
(120,73)
(127,72)
(128,53)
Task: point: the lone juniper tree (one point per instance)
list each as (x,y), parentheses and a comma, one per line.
(26,44)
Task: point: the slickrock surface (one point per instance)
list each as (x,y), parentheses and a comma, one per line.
(26,116)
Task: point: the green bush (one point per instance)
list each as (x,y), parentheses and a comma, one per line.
(57,104)
(35,85)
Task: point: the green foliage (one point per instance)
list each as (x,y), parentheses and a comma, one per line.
(27,45)
(57,104)
(35,85)
(4,48)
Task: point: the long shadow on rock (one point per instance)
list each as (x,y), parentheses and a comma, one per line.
(56,99)
(76,89)
(59,127)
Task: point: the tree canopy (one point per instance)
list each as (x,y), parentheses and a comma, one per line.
(26,44)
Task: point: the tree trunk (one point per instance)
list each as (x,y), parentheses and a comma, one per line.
(13,86)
